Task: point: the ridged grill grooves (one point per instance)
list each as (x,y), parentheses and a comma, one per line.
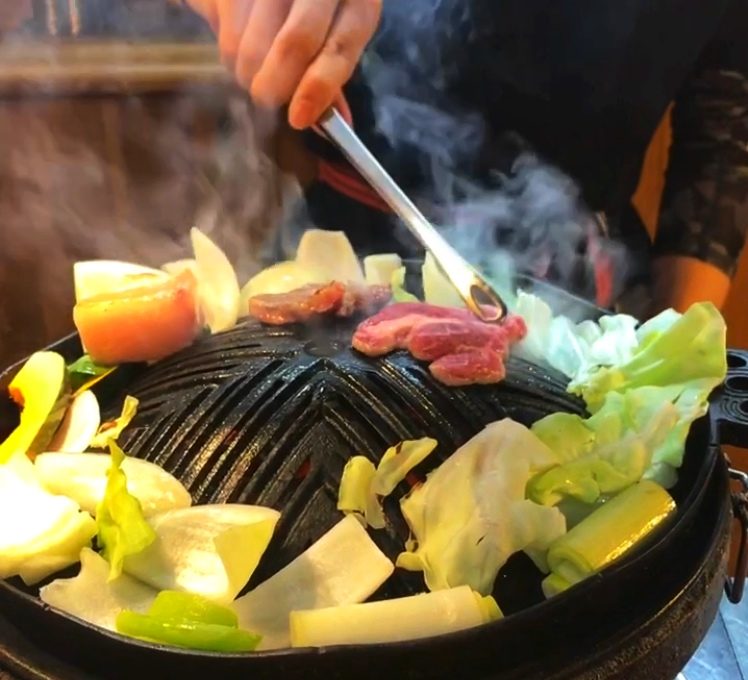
(271,415)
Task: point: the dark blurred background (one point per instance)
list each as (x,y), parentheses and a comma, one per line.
(120,130)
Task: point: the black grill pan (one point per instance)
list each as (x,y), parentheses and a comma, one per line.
(270,416)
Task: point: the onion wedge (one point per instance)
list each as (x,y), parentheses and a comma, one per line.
(79,426)
(92,597)
(83,476)
(218,287)
(207,550)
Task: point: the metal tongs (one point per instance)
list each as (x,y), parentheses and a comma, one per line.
(480,298)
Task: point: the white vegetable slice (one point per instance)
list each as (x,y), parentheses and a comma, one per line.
(437,288)
(406,618)
(330,252)
(40,533)
(96,277)
(378,269)
(92,597)
(218,287)
(343,567)
(79,426)
(282,277)
(82,477)
(208,550)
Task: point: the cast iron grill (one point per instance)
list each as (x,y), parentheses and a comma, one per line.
(270,416)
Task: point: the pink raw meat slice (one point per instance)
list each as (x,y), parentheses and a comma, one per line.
(389,329)
(464,349)
(481,366)
(429,339)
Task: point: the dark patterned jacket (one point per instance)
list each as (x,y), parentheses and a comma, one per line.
(459,88)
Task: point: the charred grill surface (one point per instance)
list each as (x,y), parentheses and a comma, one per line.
(270,416)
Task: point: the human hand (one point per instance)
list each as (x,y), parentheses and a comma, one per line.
(300,52)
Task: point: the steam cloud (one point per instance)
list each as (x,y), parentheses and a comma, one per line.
(529,217)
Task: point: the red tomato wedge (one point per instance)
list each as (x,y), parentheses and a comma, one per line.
(139,324)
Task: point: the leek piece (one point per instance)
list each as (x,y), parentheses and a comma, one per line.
(83,477)
(122,528)
(553,585)
(406,618)
(489,608)
(398,461)
(607,534)
(206,637)
(343,567)
(91,596)
(356,494)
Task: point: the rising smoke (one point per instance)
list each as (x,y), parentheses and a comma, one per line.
(526,216)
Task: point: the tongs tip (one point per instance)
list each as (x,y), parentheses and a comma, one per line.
(492,308)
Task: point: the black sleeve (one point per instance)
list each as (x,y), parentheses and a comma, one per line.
(705,204)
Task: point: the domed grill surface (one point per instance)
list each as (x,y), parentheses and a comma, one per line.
(270,416)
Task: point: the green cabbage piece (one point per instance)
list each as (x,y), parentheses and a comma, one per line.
(643,407)
(575,349)
(608,452)
(110,432)
(691,350)
(356,494)
(362,484)
(398,461)
(122,528)
(471,514)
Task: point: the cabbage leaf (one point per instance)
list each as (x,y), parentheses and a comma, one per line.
(691,350)
(471,514)
(122,528)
